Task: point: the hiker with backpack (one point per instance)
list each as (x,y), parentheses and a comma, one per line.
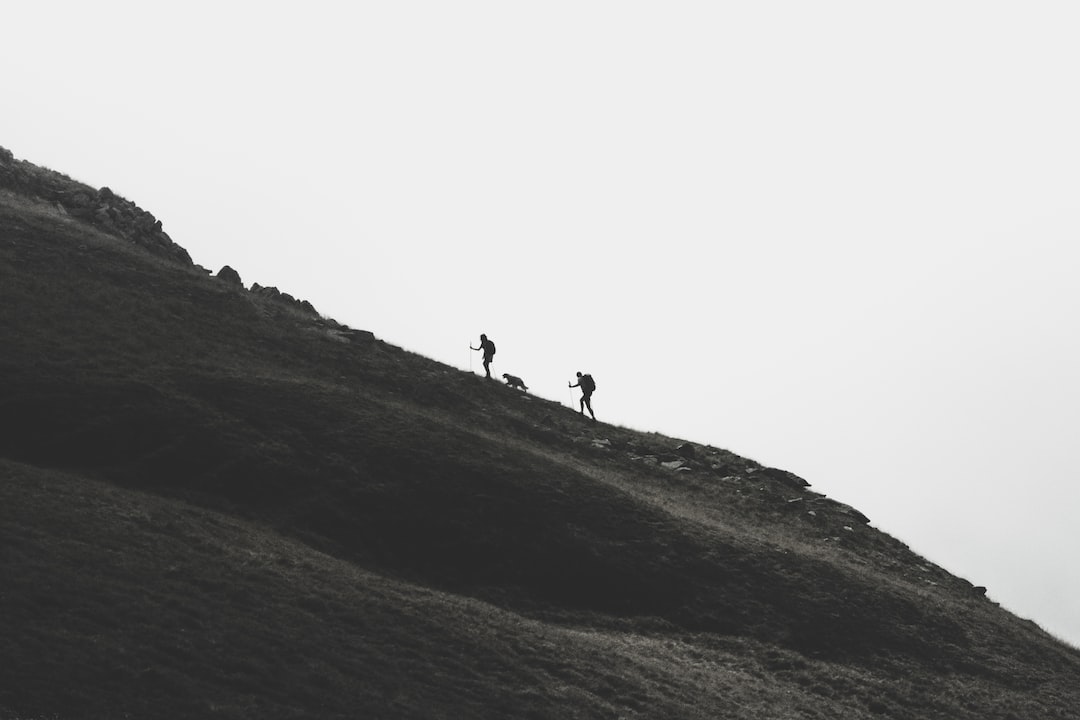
(587,385)
(489,352)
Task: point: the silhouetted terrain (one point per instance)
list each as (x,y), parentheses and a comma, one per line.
(215,502)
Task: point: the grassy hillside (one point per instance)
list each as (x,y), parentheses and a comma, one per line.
(216,503)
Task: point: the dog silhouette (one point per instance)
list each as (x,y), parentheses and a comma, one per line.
(514,381)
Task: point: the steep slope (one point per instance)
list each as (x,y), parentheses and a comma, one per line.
(217,502)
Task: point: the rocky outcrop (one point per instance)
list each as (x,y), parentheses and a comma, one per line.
(101,208)
(107,212)
(227,274)
(272,293)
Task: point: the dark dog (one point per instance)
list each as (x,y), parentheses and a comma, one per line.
(514,381)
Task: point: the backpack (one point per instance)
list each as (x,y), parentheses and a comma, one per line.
(587,383)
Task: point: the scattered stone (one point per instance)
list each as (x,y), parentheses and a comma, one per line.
(853,513)
(724,469)
(687,451)
(842,508)
(674,464)
(783,476)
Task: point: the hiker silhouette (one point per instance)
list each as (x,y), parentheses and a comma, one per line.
(489,352)
(587,385)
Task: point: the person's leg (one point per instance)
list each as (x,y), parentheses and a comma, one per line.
(587,400)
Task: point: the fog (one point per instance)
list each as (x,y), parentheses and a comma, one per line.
(838,238)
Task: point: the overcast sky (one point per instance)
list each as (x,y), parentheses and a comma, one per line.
(839,238)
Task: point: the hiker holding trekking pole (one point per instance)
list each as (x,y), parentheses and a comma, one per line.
(489,352)
(588,386)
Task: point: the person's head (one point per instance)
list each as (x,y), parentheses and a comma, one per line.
(483,336)
(579,373)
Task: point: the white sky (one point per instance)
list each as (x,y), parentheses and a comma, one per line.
(839,238)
